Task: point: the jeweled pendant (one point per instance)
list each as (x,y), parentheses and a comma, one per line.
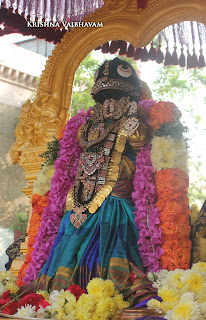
(78,217)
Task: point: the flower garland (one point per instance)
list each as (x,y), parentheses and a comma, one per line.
(43,182)
(65,171)
(38,204)
(101,301)
(147,214)
(183,292)
(169,159)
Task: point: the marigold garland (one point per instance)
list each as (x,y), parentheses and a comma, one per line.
(169,158)
(38,204)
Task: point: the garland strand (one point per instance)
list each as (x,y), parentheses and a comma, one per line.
(63,179)
(169,158)
(146,213)
(38,204)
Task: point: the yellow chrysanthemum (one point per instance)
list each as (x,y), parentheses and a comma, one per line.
(86,301)
(194,280)
(7,276)
(109,288)
(106,307)
(44,293)
(95,316)
(96,287)
(64,297)
(167,152)
(154,303)
(83,315)
(201,296)
(169,295)
(186,310)
(119,302)
(199,266)
(12,287)
(174,278)
(60,313)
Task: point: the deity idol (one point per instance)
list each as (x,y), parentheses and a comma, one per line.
(110,224)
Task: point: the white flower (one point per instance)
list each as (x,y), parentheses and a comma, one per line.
(2,289)
(203,308)
(41,312)
(189,296)
(53,296)
(27,311)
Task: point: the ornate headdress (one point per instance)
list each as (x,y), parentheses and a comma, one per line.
(115,75)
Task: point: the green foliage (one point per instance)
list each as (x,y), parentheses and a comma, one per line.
(20,222)
(84,81)
(51,154)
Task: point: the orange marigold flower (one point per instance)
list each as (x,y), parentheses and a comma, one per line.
(182,256)
(170,244)
(42,202)
(184,230)
(169,228)
(174,179)
(168,263)
(35,199)
(162,112)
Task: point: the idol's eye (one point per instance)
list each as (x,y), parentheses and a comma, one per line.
(125,71)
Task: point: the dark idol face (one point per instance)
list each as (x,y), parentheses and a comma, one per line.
(109,107)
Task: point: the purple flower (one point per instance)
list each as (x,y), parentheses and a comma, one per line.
(146,213)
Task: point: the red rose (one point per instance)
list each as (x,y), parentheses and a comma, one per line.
(11,308)
(33,299)
(76,290)
(5,298)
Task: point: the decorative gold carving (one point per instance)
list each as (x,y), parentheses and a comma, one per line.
(116,5)
(39,122)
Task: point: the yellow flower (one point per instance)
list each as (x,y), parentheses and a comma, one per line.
(156,304)
(106,307)
(201,296)
(199,266)
(83,315)
(60,313)
(96,287)
(174,278)
(64,297)
(119,302)
(194,279)
(186,310)
(109,288)
(167,152)
(168,294)
(12,287)
(8,276)
(87,302)
(44,293)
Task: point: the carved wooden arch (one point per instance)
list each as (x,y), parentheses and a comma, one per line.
(45,117)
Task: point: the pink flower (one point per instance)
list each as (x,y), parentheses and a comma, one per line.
(147,214)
